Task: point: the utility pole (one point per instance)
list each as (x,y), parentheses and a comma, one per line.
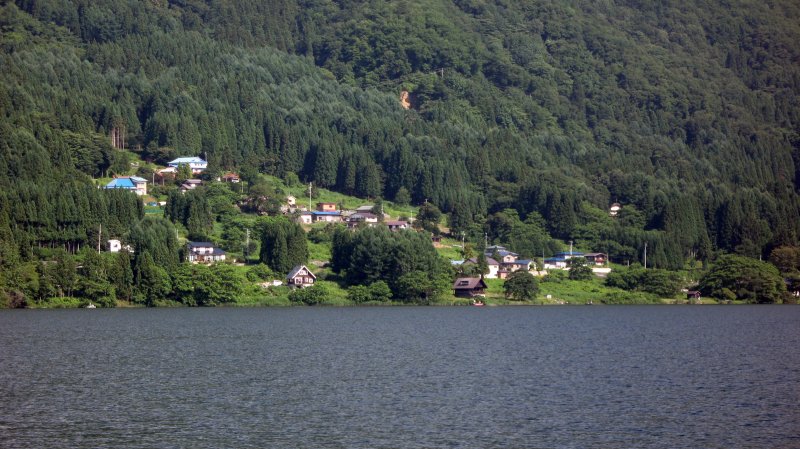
(309,197)
(570,248)
(99,234)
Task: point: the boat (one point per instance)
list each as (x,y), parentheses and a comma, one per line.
(478,303)
(91,306)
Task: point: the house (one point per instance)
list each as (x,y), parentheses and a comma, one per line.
(133,183)
(327,217)
(300,276)
(305,218)
(115,246)
(291,201)
(693,294)
(326,207)
(437,241)
(230,177)
(561,260)
(555,262)
(469,287)
(614,209)
(204,252)
(190,184)
(357,218)
(494,267)
(395,225)
(596,258)
(196,164)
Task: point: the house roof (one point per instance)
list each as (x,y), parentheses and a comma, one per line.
(503,253)
(365,208)
(468,283)
(297,269)
(125,182)
(489,261)
(593,254)
(317,212)
(188,160)
(364,215)
(396,223)
(567,253)
(523,261)
(200,244)
(556,259)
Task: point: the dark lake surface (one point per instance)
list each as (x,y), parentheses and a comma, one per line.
(402,377)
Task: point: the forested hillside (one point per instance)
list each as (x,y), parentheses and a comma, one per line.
(527,119)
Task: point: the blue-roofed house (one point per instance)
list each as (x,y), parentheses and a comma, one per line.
(133,183)
(204,252)
(328,217)
(197,164)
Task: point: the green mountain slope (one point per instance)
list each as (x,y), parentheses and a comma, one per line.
(685,113)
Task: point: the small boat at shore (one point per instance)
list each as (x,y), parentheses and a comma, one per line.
(91,306)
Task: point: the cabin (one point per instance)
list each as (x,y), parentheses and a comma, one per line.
(204,252)
(598,259)
(469,287)
(231,177)
(693,294)
(397,225)
(196,164)
(301,277)
(190,184)
(135,184)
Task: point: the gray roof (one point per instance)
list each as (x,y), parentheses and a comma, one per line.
(468,284)
(297,269)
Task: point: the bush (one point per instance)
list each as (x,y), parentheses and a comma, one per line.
(555,276)
(316,294)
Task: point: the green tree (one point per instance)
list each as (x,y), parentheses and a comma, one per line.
(579,269)
(750,280)
(521,286)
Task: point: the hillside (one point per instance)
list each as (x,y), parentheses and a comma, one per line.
(527,119)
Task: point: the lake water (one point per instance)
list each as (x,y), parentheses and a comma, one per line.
(402,377)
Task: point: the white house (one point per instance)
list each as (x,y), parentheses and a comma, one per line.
(195,163)
(204,252)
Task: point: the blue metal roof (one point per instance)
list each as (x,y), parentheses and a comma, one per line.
(567,253)
(121,183)
(326,213)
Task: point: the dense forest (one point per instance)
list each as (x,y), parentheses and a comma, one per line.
(526,119)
